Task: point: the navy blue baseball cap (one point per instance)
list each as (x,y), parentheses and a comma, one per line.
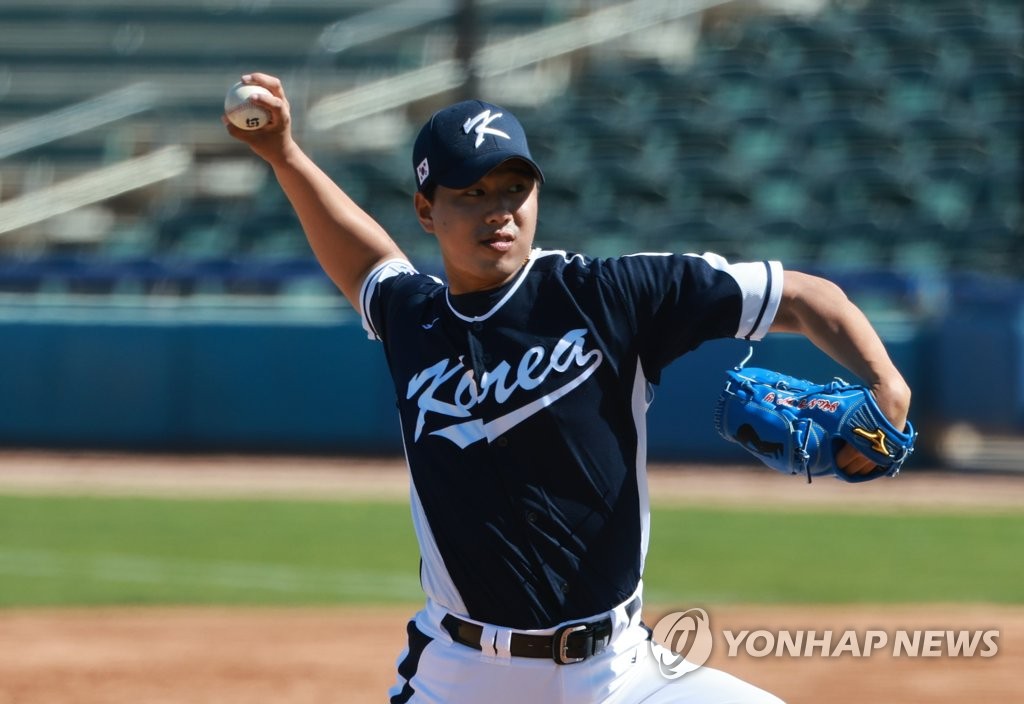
(462,142)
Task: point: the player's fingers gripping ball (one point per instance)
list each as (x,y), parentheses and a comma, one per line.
(241,111)
(797,427)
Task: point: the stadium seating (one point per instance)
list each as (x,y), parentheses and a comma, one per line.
(873,134)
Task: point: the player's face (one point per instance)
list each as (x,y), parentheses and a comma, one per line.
(485,231)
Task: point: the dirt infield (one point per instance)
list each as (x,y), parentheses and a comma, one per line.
(342,656)
(307,656)
(333,477)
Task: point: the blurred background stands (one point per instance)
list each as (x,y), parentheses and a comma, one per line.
(860,136)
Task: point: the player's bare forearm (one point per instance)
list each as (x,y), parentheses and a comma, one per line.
(347,242)
(819,310)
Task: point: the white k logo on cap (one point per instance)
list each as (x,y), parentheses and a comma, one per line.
(481,123)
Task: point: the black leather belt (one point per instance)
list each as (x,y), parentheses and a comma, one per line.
(573,642)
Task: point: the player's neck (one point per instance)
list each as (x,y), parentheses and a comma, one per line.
(460,282)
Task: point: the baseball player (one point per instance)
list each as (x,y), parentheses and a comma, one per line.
(522,383)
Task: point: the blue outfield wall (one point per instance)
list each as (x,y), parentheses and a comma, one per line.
(198,386)
(320,386)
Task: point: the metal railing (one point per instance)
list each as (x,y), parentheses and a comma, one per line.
(93,187)
(501,57)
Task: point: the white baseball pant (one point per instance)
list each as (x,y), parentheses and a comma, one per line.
(436,670)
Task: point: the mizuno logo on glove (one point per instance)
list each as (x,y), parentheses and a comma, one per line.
(877,438)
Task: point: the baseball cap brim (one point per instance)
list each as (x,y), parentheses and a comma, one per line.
(472,170)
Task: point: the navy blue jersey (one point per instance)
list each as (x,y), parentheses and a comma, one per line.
(523,417)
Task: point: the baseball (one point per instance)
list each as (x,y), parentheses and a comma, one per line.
(240,109)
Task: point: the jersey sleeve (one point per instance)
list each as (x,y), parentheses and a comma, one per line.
(678,301)
(760,285)
(373,292)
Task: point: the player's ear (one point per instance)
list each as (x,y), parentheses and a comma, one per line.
(424,211)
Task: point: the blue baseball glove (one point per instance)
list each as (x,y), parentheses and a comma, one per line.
(797,427)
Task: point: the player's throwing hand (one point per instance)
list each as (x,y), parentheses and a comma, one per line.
(273,139)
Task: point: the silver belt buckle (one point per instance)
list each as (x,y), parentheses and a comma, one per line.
(561,644)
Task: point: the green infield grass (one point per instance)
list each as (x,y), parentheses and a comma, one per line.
(127,551)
